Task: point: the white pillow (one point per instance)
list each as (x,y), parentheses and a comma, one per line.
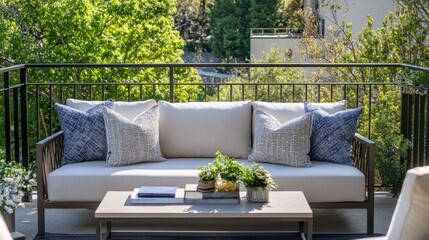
(128,109)
(130,142)
(282,143)
(199,129)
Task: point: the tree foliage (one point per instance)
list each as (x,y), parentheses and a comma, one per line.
(93,31)
(231,21)
(192,20)
(89,31)
(402,38)
(289,13)
(265,14)
(229,29)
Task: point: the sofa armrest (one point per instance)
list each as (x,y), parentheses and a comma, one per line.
(49,155)
(364,157)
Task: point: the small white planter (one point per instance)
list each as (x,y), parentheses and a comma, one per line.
(257,194)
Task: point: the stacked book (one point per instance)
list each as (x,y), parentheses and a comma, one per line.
(158,194)
(192,195)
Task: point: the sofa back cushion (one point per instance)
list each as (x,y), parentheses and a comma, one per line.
(288,111)
(199,129)
(284,112)
(130,110)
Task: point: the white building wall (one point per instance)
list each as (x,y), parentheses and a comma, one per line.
(357,13)
(262,45)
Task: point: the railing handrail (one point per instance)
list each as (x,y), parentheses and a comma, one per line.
(140,65)
(12,68)
(216,83)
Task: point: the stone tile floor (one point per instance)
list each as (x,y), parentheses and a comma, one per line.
(325,221)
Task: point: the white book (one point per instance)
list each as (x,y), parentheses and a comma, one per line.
(157,191)
(178,199)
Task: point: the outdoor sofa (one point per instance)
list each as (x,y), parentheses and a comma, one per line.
(189,136)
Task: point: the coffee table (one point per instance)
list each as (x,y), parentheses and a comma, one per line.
(283,206)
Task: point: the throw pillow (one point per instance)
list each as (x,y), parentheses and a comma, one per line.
(130,142)
(332,134)
(84,133)
(286,144)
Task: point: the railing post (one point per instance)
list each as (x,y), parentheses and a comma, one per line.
(171,73)
(6,101)
(403,117)
(16,137)
(24,117)
(427,121)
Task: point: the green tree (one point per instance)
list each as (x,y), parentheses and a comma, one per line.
(265,14)
(192,21)
(289,13)
(229,29)
(93,31)
(402,38)
(231,21)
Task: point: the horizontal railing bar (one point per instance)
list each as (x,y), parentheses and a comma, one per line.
(226,83)
(95,83)
(414,67)
(12,68)
(13,87)
(166,65)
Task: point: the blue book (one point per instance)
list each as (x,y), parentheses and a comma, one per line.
(157,191)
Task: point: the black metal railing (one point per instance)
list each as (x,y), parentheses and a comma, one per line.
(29,119)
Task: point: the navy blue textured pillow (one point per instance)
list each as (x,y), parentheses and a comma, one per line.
(332,134)
(84,133)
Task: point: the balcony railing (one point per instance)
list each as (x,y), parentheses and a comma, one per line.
(29,94)
(276,32)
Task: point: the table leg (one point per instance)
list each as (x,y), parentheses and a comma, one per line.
(310,229)
(301,227)
(301,230)
(98,230)
(109,229)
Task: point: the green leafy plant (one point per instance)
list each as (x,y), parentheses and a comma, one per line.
(391,144)
(257,176)
(229,169)
(208,173)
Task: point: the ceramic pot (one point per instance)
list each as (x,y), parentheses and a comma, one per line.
(205,186)
(10,221)
(257,194)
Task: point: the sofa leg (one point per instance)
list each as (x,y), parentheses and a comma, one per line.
(40,220)
(370,220)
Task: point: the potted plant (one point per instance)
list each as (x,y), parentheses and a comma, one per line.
(229,171)
(15,182)
(207,178)
(258,182)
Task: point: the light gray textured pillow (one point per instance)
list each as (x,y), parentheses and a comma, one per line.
(130,142)
(286,144)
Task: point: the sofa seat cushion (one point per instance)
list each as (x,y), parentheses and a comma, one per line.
(90,181)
